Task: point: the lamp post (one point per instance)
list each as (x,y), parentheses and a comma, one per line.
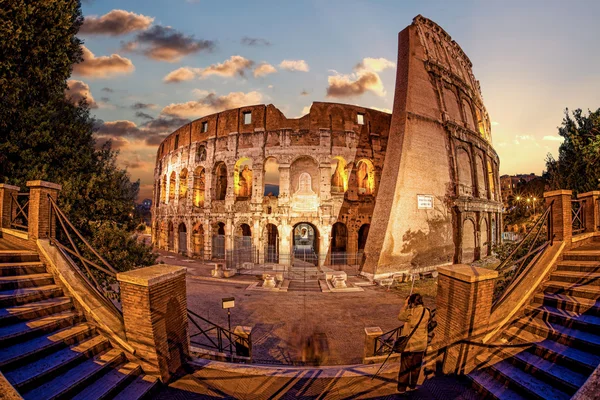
(228,303)
(534,200)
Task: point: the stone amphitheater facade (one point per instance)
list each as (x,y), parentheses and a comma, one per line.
(342,184)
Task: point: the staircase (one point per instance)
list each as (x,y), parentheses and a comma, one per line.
(47,349)
(560,333)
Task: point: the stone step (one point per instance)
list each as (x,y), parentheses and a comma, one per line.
(11,315)
(524,383)
(76,378)
(110,383)
(580,278)
(569,303)
(565,318)
(582,266)
(25,281)
(27,295)
(564,335)
(582,255)
(21,353)
(141,387)
(23,331)
(22,268)
(489,386)
(46,368)
(12,256)
(570,289)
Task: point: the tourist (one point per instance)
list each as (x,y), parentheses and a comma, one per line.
(415,317)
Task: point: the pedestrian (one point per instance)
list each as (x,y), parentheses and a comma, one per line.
(415,317)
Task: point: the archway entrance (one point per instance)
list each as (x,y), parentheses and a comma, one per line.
(171,237)
(339,242)
(363,233)
(272,244)
(182,238)
(218,241)
(198,240)
(306,242)
(243,244)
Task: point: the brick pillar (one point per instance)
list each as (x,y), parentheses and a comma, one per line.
(371,334)
(6,194)
(590,209)
(561,213)
(243,349)
(463,304)
(39,208)
(155,315)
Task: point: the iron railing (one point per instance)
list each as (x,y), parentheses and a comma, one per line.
(578,216)
(215,337)
(384,344)
(19,211)
(77,251)
(525,253)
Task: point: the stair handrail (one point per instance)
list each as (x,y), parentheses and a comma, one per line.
(513,270)
(91,277)
(221,333)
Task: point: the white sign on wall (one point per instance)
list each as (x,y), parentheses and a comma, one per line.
(424,202)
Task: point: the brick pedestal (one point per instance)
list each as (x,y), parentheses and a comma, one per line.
(590,209)
(6,194)
(463,303)
(155,315)
(561,214)
(39,208)
(371,334)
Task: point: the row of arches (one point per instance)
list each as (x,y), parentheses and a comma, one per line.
(477,238)
(476,178)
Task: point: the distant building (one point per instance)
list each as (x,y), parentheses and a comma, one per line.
(509,184)
(147,204)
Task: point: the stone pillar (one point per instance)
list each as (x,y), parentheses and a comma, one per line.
(155,316)
(285,243)
(561,215)
(39,208)
(284,185)
(325,184)
(590,210)
(6,194)
(243,349)
(371,335)
(324,243)
(463,303)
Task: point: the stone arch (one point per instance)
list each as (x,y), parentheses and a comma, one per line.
(339,243)
(468,114)
(183,183)
(198,240)
(465,178)
(304,184)
(172,184)
(483,234)
(271,177)
(339,175)
(220,181)
(242,178)
(242,244)
(199,187)
(491,180)
(218,240)
(365,177)
(163,190)
(271,241)
(468,241)
(171,236)
(363,233)
(451,102)
(182,236)
(305,242)
(481,177)
(200,153)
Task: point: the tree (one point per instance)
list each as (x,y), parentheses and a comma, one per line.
(45,136)
(578,165)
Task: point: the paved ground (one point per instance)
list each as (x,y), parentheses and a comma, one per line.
(282,322)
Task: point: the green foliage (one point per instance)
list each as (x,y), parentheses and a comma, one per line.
(578,165)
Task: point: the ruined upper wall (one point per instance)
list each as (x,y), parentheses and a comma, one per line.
(337,118)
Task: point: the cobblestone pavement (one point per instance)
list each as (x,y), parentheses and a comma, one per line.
(282,321)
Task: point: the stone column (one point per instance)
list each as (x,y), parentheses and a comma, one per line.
(324,243)
(463,303)
(285,243)
(39,208)
(284,185)
(6,194)
(371,334)
(155,316)
(561,217)
(590,210)
(325,184)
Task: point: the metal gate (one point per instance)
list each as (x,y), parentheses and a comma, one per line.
(218,246)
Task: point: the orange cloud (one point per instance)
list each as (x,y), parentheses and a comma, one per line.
(212,104)
(116,22)
(77,91)
(102,67)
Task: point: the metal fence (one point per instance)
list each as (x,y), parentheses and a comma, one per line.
(578,216)
(19,211)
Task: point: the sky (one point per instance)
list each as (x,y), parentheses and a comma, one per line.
(151,66)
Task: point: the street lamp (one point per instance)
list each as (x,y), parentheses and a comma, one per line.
(534,200)
(228,303)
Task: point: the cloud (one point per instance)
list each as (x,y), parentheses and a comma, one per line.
(374,64)
(294,65)
(107,90)
(77,91)
(264,69)
(180,75)
(116,142)
(102,67)
(143,106)
(235,65)
(143,115)
(248,41)
(354,85)
(553,138)
(212,104)
(164,43)
(123,132)
(116,22)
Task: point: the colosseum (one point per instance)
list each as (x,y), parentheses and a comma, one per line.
(384,193)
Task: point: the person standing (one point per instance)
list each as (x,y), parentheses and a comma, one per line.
(415,317)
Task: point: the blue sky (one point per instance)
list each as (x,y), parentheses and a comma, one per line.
(532,58)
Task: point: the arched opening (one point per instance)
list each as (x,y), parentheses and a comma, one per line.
(304,183)
(468,115)
(339,243)
(491,185)
(172,180)
(201,154)
(242,244)
(218,241)
(171,233)
(339,175)
(220,181)
(481,184)
(306,243)
(183,183)
(199,187)
(271,177)
(242,179)
(163,190)
(365,177)
(465,179)
(485,245)
(468,242)
(182,230)
(272,244)
(198,240)
(363,233)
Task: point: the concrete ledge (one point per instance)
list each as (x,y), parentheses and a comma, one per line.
(9,187)
(13,232)
(589,194)
(45,184)
(583,236)
(7,391)
(151,275)
(467,273)
(558,193)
